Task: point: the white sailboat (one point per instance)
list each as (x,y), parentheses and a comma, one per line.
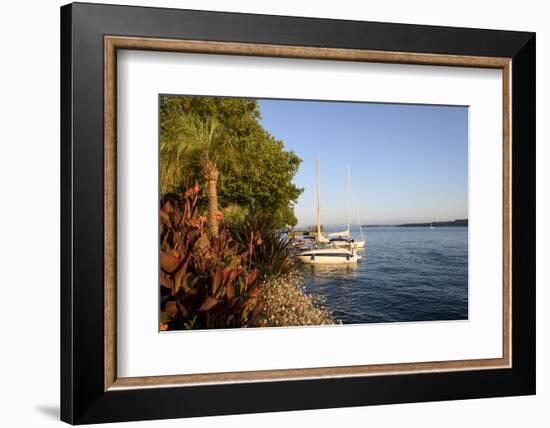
(326,255)
(329,256)
(363,240)
(343,234)
(343,239)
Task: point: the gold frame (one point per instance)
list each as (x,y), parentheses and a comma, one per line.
(112,43)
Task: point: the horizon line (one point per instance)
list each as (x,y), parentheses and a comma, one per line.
(385,224)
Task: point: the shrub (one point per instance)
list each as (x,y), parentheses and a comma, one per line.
(206,281)
(272,254)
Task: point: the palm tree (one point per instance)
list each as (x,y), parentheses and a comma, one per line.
(194,145)
(211,175)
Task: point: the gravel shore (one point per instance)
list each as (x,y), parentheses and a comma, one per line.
(285,303)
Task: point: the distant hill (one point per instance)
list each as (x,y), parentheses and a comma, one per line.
(454,223)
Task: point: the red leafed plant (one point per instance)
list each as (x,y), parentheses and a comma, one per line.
(206,281)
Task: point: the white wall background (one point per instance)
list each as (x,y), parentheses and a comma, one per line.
(29,217)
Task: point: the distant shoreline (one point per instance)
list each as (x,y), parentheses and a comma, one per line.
(453,223)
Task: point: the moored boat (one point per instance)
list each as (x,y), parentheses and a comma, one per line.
(347,243)
(329,256)
(342,234)
(326,252)
(344,239)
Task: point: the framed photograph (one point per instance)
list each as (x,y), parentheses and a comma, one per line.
(266,213)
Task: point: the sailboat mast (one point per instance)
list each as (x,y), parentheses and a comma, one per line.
(318,201)
(349,198)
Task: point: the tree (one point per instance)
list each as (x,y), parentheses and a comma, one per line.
(220,142)
(195,148)
(266,184)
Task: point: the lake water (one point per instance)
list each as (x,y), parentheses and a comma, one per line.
(406,274)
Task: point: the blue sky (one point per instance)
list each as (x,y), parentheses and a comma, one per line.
(408,162)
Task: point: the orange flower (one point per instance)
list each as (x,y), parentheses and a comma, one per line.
(218,215)
(196,188)
(163,326)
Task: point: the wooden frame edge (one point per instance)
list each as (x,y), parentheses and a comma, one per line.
(112,43)
(301,52)
(310,373)
(507,213)
(109,197)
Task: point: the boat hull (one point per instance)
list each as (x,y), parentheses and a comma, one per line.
(331,256)
(359,244)
(343,234)
(328,260)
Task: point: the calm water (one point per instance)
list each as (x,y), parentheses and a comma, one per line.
(407,274)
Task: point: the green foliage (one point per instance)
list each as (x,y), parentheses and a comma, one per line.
(255,172)
(266,183)
(272,254)
(234,213)
(206,281)
(185,154)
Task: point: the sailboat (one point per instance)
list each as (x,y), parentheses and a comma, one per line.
(325,254)
(343,239)
(363,240)
(342,234)
(431,225)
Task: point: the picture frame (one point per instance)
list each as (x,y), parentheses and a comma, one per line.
(91,391)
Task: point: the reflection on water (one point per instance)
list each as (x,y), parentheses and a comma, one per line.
(406,274)
(331,271)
